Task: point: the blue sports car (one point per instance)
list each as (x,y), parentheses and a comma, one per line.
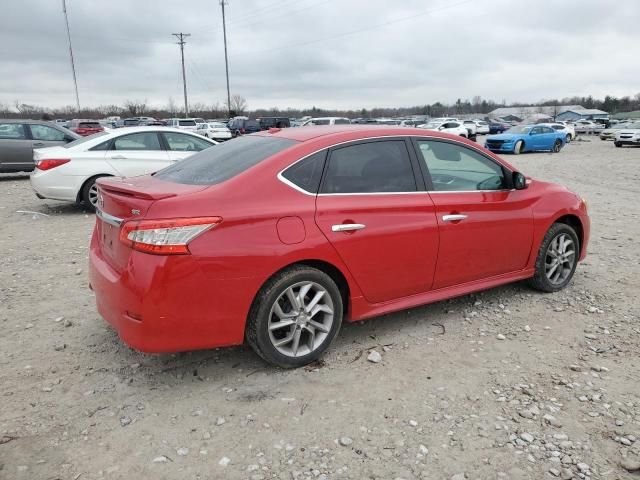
(526,138)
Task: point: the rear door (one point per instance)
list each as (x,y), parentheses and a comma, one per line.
(486,228)
(375,212)
(137,154)
(180,145)
(16,152)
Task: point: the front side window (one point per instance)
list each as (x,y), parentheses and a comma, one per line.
(457,168)
(13,131)
(46,133)
(373,167)
(341,121)
(143,141)
(187,123)
(224,161)
(179,142)
(307,173)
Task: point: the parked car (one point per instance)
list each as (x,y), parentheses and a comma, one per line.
(242,126)
(410,123)
(20,138)
(61,122)
(188,124)
(587,126)
(568,130)
(279,231)
(214,130)
(498,127)
(452,127)
(326,121)
(70,172)
(273,122)
(482,127)
(85,127)
(526,138)
(628,136)
(472,128)
(610,133)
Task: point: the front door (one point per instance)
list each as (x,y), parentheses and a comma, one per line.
(378,218)
(137,154)
(486,228)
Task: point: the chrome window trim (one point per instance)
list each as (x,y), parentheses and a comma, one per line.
(110,219)
(280,177)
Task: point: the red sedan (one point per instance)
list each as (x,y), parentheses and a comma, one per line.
(275,238)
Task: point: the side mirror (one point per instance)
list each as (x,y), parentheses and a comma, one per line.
(519,181)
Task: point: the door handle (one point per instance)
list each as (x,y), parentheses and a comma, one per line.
(453,218)
(38,144)
(118,157)
(347,227)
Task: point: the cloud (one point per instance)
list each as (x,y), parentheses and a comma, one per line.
(327,53)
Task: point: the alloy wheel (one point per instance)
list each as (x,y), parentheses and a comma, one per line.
(93,194)
(560,259)
(300,319)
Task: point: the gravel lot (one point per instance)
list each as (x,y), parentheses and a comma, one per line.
(507,384)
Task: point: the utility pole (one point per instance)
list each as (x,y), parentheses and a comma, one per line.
(181,42)
(73,66)
(226,58)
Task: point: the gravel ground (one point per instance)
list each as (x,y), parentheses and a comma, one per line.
(506,384)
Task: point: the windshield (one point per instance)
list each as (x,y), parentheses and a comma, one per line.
(187,123)
(82,140)
(224,161)
(519,129)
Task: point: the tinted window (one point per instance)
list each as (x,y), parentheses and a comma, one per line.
(12,131)
(341,121)
(179,142)
(137,141)
(319,122)
(187,123)
(558,127)
(224,161)
(89,125)
(457,168)
(44,132)
(251,124)
(370,167)
(307,173)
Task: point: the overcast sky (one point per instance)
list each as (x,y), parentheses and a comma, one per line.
(327,53)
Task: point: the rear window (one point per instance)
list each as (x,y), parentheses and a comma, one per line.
(224,161)
(89,125)
(187,123)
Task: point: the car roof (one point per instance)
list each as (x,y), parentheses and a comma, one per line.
(358,131)
(27,120)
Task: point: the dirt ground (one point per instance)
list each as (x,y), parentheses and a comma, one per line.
(506,384)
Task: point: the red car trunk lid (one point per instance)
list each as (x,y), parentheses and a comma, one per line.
(123,199)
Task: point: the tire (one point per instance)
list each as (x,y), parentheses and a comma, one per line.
(89,194)
(276,295)
(517,149)
(617,144)
(557,146)
(559,240)
(568,139)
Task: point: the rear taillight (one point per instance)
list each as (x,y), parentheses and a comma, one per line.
(242,131)
(165,237)
(51,163)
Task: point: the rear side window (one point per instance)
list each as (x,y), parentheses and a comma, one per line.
(14,131)
(307,173)
(341,121)
(179,142)
(137,142)
(224,161)
(187,123)
(373,167)
(46,133)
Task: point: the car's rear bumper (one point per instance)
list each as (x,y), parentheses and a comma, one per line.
(169,303)
(49,184)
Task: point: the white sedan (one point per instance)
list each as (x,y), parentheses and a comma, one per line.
(214,131)
(454,128)
(69,172)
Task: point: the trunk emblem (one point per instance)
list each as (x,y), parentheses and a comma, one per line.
(135,211)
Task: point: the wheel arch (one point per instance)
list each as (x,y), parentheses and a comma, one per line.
(88,179)
(574,222)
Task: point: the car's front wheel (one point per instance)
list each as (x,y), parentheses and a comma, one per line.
(557,259)
(617,144)
(295,317)
(568,138)
(517,149)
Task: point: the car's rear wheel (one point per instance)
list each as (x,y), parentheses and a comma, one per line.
(89,193)
(557,259)
(517,149)
(295,317)
(557,146)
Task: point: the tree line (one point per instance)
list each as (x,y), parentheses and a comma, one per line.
(239,106)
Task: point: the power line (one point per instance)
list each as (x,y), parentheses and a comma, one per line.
(181,42)
(226,58)
(73,66)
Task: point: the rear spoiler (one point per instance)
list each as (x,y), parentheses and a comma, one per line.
(118,186)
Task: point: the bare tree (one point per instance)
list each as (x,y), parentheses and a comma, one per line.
(238,104)
(136,107)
